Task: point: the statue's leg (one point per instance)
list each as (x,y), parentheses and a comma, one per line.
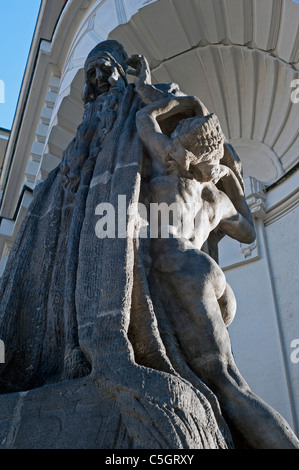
(197,283)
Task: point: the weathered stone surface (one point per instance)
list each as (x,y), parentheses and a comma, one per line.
(120,341)
(70,415)
(78,414)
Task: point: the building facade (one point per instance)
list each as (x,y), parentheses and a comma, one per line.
(241,58)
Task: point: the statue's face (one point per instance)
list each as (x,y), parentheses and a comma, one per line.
(101,75)
(209,170)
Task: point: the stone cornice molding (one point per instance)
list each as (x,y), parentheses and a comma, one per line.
(256,197)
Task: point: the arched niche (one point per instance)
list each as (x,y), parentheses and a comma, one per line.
(231,54)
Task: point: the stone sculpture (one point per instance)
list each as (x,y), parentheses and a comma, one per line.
(126,335)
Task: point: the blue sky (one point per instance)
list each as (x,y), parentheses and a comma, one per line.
(18,20)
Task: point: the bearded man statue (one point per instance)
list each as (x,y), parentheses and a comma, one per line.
(78,306)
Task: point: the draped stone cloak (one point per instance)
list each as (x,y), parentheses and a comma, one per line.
(75,305)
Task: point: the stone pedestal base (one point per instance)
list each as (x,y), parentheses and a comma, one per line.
(71,415)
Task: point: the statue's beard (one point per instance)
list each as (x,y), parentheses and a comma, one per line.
(102,88)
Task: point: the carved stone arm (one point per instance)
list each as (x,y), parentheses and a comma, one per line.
(239,225)
(160,145)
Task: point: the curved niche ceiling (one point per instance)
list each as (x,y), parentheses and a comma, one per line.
(166,28)
(239,58)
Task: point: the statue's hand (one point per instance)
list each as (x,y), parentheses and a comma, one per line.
(139,67)
(173,167)
(182,156)
(223,171)
(180,159)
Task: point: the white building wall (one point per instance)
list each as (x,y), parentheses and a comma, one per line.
(282,240)
(255,335)
(265,282)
